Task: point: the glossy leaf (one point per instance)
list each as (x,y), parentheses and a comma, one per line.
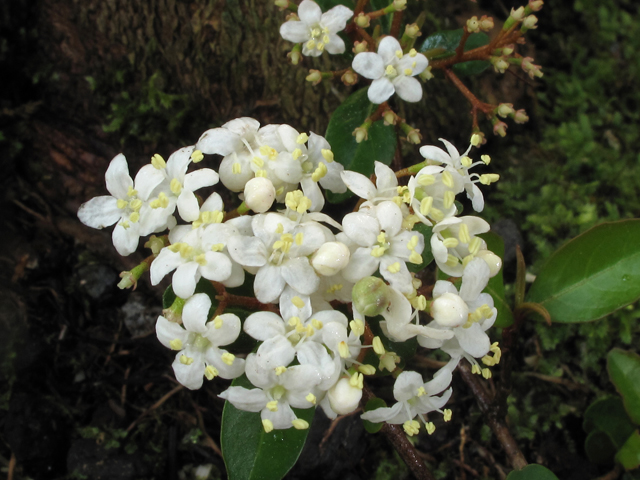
(608,426)
(532,472)
(448,41)
(592,275)
(358,157)
(629,455)
(624,372)
(427,255)
(495,287)
(252,454)
(328,4)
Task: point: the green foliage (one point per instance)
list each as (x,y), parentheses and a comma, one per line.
(624,371)
(443,44)
(495,287)
(532,472)
(252,454)
(372,404)
(358,157)
(592,275)
(608,426)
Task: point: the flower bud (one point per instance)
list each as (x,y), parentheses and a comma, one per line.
(473,25)
(343,397)
(518,14)
(426,74)
(521,116)
(349,77)
(529,22)
(315,77)
(282,4)
(331,258)
(371,296)
(259,194)
(505,109)
(202,472)
(500,128)
(389,117)
(500,65)
(359,47)
(362,20)
(449,310)
(399,5)
(492,260)
(412,30)
(486,23)
(535,5)
(294,57)
(414,137)
(508,49)
(361,134)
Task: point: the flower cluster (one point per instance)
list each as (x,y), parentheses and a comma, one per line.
(317,282)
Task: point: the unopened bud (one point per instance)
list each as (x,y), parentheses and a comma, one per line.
(521,116)
(343,397)
(414,136)
(486,23)
(449,310)
(359,47)
(529,22)
(330,258)
(500,65)
(505,109)
(517,14)
(362,20)
(508,49)
(492,260)
(349,77)
(155,244)
(399,5)
(282,4)
(389,117)
(294,56)
(412,30)
(371,296)
(426,74)
(292,17)
(203,472)
(500,128)
(361,134)
(535,5)
(473,25)
(259,194)
(315,77)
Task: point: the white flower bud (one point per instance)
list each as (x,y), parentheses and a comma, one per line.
(449,310)
(331,258)
(259,194)
(343,397)
(202,472)
(492,260)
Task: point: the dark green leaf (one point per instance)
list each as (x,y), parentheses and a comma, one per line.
(624,372)
(448,40)
(592,275)
(328,4)
(427,255)
(532,472)
(599,448)
(495,287)
(608,426)
(252,454)
(358,157)
(372,405)
(629,455)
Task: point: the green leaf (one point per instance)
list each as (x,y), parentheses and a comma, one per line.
(624,372)
(329,4)
(427,255)
(599,448)
(372,405)
(592,275)
(448,41)
(629,455)
(532,472)
(252,454)
(495,287)
(203,286)
(608,426)
(358,157)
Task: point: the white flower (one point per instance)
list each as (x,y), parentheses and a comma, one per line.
(278,255)
(197,343)
(470,339)
(433,191)
(316,30)
(386,187)
(391,71)
(454,242)
(197,254)
(126,205)
(382,243)
(414,398)
(331,258)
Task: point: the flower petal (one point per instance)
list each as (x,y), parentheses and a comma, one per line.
(165,262)
(220,141)
(196,313)
(336,45)
(168,331)
(336,18)
(100,212)
(295,31)
(359,184)
(185,278)
(380,90)
(300,275)
(264,325)
(268,284)
(117,177)
(369,65)
(408,88)
(309,12)
(387,49)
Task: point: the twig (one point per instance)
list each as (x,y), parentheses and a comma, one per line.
(612,475)
(396,23)
(208,440)
(491,411)
(476,104)
(12,466)
(403,446)
(159,403)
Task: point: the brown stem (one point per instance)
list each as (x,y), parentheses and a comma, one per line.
(368,38)
(396,24)
(395,434)
(480,53)
(463,41)
(491,413)
(360,7)
(225,298)
(476,104)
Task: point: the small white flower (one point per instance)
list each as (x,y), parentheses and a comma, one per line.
(197,343)
(454,242)
(386,187)
(259,194)
(391,71)
(316,30)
